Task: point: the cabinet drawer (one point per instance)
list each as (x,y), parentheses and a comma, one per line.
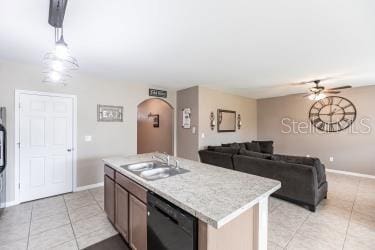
(109,172)
(133,188)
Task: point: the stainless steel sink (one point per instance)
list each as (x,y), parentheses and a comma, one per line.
(154,170)
(142,166)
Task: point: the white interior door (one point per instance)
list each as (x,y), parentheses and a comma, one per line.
(46,141)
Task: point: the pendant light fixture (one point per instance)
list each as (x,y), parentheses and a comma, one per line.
(58,63)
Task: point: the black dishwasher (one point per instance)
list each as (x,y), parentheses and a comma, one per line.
(169,227)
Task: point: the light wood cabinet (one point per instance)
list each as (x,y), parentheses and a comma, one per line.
(122,211)
(137,224)
(109,198)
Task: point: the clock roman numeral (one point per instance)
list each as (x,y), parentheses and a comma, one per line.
(347,106)
(339,125)
(322,103)
(314,109)
(317,120)
(331,128)
(321,126)
(338,104)
(330,100)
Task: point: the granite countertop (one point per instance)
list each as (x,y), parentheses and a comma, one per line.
(212,194)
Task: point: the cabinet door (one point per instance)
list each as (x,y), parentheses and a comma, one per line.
(109,198)
(137,224)
(122,211)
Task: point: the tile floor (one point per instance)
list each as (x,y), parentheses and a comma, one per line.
(71,221)
(346,220)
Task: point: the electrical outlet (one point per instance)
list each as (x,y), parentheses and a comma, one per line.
(193,129)
(203,135)
(331,159)
(88,138)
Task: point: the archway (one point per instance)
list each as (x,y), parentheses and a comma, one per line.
(155,126)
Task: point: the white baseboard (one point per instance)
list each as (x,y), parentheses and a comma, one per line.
(350,173)
(77,189)
(100,184)
(11,203)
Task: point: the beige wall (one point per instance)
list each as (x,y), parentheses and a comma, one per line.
(187,141)
(150,138)
(203,101)
(351,152)
(108,138)
(211,100)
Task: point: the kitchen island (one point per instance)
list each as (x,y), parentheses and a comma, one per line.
(231,207)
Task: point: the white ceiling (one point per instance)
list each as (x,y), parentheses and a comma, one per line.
(252,48)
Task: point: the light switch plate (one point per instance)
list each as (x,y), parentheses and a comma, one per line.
(193,130)
(88,138)
(331,159)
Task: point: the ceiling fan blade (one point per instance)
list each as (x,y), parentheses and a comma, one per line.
(312,81)
(301,83)
(341,87)
(328,91)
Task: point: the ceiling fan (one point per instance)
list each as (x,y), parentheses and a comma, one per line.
(318,91)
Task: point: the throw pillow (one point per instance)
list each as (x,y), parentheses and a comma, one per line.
(265,146)
(242,145)
(253,146)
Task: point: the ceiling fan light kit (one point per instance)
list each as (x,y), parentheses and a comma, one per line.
(317,97)
(58,63)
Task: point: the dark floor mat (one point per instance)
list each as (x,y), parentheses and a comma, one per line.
(114,243)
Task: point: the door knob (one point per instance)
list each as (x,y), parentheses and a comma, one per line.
(69,150)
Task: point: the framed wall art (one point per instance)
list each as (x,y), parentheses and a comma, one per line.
(186,118)
(108,113)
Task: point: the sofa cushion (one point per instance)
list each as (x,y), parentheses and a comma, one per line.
(216,158)
(265,146)
(309,161)
(253,146)
(255,154)
(294,159)
(212,148)
(227,150)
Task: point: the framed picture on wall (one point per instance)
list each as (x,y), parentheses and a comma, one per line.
(108,113)
(186,119)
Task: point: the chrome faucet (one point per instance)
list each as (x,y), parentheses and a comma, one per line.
(166,158)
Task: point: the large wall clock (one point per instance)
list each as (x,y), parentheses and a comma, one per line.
(333,114)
